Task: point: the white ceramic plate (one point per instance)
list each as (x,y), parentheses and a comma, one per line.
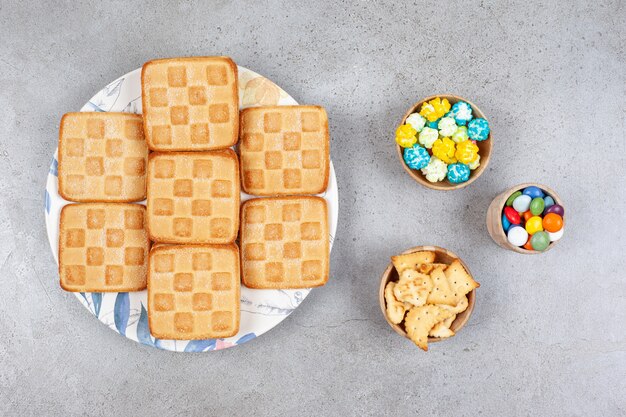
(125,313)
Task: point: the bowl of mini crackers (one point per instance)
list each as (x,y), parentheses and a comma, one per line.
(427,294)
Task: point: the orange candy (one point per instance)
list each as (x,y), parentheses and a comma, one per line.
(527,245)
(552,222)
(527,215)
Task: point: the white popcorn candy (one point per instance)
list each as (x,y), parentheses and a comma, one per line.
(436,170)
(417,121)
(447,126)
(428,136)
(475,164)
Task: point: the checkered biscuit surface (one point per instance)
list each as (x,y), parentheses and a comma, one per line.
(103,247)
(193,197)
(284,242)
(102,157)
(190,104)
(284,150)
(193,291)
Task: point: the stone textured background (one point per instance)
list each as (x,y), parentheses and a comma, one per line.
(548,335)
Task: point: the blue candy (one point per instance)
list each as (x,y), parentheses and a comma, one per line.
(533,192)
(478,129)
(458,173)
(548,201)
(462,113)
(506,224)
(434,124)
(416,157)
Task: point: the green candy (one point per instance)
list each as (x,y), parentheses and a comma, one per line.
(537,205)
(540,241)
(509,201)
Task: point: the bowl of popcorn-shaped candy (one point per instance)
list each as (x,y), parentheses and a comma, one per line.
(444,142)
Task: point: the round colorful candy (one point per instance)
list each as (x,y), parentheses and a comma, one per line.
(416,157)
(533,192)
(405,136)
(534,225)
(537,205)
(506,224)
(527,215)
(478,129)
(458,173)
(556,235)
(447,126)
(528,245)
(417,121)
(552,222)
(517,236)
(512,215)
(512,197)
(556,209)
(549,202)
(540,241)
(462,112)
(521,203)
(428,136)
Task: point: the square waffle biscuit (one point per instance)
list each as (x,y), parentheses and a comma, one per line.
(102,157)
(103,247)
(190,104)
(193,291)
(193,197)
(284,150)
(284,242)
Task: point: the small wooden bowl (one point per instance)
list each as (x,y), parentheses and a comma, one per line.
(441,256)
(494,218)
(484,149)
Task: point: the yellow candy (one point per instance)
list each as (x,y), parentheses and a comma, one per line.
(444,149)
(405,136)
(534,225)
(435,109)
(466,152)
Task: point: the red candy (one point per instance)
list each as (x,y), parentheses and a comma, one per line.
(512,215)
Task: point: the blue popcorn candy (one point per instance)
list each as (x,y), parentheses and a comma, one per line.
(433,125)
(416,157)
(478,129)
(458,173)
(462,113)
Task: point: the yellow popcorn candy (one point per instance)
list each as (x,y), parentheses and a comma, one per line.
(444,149)
(435,109)
(466,152)
(405,136)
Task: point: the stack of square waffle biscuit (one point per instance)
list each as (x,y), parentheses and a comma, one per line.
(178,157)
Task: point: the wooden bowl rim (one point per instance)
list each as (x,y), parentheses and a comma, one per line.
(520,187)
(458,323)
(446,185)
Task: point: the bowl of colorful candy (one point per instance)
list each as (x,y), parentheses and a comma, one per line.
(444,142)
(528,218)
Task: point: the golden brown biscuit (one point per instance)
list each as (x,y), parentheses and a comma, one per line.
(411,260)
(103,247)
(420,320)
(284,242)
(190,104)
(284,150)
(102,157)
(193,197)
(193,291)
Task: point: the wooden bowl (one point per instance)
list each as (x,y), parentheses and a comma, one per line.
(494,217)
(484,149)
(441,256)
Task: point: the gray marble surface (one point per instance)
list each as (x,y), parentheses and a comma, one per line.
(548,334)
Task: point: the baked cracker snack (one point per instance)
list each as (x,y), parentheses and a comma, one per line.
(193,291)
(284,242)
(410,260)
(102,157)
(420,320)
(103,247)
(395,308)
(190,104)
(413,287)
(284,150)
(441,292)
(460,281)
(193,197)
(442,329)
